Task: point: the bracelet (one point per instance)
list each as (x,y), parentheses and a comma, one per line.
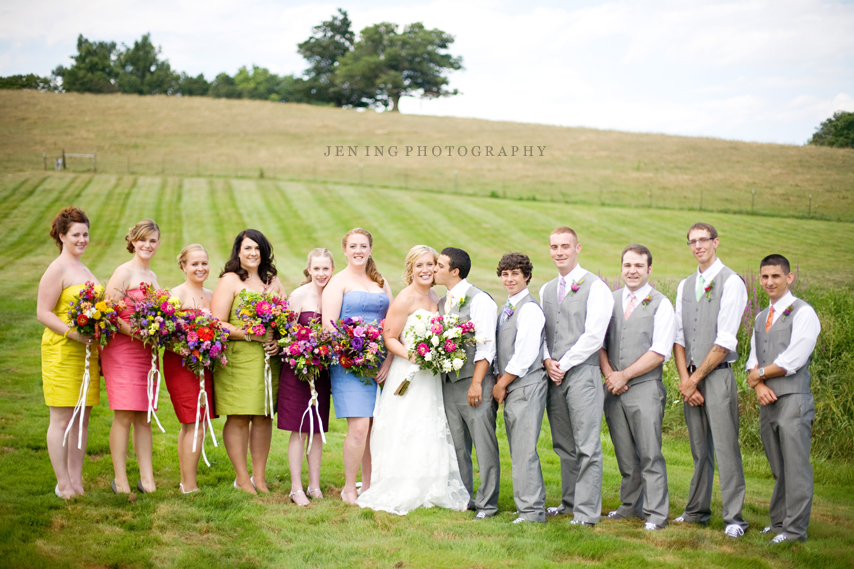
(247,337)
(66,333)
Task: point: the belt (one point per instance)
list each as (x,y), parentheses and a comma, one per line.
(726,365)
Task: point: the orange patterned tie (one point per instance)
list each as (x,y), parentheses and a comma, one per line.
(770,320)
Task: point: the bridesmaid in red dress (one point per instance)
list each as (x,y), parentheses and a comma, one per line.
(294,394)
(182,383)
(126,361)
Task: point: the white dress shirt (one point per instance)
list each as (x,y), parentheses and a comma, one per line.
(484,314)
(600,304)
(805,330)
(664,323)
(733,301)
(530,321)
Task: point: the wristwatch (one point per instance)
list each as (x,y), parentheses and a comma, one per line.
(762,373)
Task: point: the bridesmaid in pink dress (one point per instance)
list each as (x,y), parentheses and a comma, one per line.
(126,361)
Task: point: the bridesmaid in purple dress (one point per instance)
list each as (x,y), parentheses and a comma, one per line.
(294,394)
(126,361)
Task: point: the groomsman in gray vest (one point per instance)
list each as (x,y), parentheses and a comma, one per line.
(578,306)
(709,308)
(521,384)
(638,342)
(784,336)
(468,398)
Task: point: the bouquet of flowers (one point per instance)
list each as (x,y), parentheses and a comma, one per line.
(261,314)
(92,314)
(201,344)
(359,347)
(437,342)
(308,350)
(156,319)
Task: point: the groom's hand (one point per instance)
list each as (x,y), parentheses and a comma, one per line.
(475,394)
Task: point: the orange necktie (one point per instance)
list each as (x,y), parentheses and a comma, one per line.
(770,320)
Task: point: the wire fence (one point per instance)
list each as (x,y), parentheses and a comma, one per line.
(489,182)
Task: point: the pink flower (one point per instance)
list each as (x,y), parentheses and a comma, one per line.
(373,347)
(294,350)
(423,349)
(450,346)
(359,331)
(292,361)
(437,329)
(263,308)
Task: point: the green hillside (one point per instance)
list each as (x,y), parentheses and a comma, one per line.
(201,136)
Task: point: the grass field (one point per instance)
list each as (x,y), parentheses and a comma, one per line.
(220,527)
(215,137)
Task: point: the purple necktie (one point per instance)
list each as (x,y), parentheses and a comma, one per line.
(561,291)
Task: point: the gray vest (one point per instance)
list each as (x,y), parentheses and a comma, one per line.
(700,318)
(628,340)
(565,321)
(771,344)
(467,371)
(505,339)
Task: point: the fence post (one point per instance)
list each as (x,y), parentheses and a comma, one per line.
(95,161)
(809,211)
(753,201)
(63,159)
(44,159)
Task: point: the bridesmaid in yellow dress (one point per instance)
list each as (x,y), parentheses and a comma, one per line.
(64,351)
(239,389)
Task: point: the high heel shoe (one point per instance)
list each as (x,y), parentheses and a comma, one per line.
(181,484)
(57,492)
(318,495)
(297,493)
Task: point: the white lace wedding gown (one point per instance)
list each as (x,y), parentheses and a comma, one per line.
(412,453)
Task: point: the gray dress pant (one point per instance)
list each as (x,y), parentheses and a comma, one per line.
(475,425)
(575,416)
(786,428)
(524,408)
(634,420)
(713,433)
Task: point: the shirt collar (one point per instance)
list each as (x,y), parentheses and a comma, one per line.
(784,302)
(640,294)
(514,300)
(575,274)
(712,271)
(459,289)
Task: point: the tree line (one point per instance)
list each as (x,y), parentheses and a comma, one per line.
(386,62)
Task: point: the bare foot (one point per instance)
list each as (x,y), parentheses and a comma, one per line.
(246,487)
(349,495)
(78,488)
(122,487)
(260,485)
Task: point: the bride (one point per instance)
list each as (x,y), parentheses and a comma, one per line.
(414,463)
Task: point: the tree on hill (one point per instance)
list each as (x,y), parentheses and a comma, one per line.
(837,131)
(93,70)
(391,65)
(191,86)
(29,81)
(141,71)
(332,39)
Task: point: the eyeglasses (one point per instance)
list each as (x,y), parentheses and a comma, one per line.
(699,241)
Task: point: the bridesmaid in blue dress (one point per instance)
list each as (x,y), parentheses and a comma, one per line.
(358,290)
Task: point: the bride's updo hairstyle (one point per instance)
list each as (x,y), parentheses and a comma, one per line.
(319,252)
(63,222)
(414,254)
(140,231)
(185,252)
(371,265)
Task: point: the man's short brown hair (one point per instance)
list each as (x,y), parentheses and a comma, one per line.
(713,233)
(640,250)
(564,229)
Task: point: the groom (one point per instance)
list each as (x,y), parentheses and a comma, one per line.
(468,398)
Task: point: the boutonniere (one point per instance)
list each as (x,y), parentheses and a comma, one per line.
(575,286)
(645,302)
(463,301)
(788,311)
(509,310)
(708,290)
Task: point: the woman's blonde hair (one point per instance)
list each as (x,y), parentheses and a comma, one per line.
(140,231)
(414,254)
(185,252)
(371,265)
(319,252)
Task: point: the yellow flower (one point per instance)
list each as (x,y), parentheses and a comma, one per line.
(101,306)
(97,315)
(99,290)
(153,329)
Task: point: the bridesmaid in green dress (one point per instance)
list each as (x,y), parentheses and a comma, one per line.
(239,386)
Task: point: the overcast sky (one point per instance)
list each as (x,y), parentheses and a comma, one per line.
(756,70)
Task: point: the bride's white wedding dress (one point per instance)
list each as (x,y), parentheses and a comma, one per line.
(412,453)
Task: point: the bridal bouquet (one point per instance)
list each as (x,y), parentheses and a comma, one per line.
(437,342)
(157,319)
(308,350)
(201,344)
(92,314)
(359,347)
(262,314)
